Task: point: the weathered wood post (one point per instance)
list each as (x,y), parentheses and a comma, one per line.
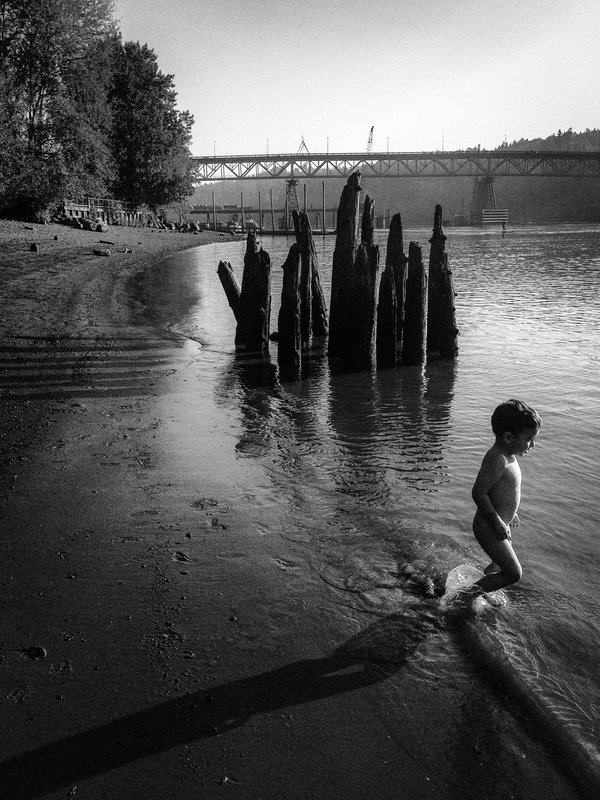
(396,258)
(414,350)
(368,225)
(230,285)
(301,224)
(252,333)
(272,211)
(319,306)
(287,211)
(441,314)
(386,319)
(314,309)
(367,288)
(289,321)
(354,282)
(392,293)
(346,242)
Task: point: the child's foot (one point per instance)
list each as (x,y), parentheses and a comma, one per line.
(466,596)
(495,599)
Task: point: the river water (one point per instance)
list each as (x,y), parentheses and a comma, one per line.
(370,473)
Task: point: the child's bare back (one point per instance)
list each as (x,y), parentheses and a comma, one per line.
(497,491)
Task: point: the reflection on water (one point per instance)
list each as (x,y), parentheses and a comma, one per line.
(371,471)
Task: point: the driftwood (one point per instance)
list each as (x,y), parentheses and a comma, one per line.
(230,285)
(414,350)
(252,333)
(441,314)
(289,321)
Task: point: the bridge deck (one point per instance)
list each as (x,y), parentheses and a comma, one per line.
(450,164)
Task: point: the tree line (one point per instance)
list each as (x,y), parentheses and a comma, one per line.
(83,113)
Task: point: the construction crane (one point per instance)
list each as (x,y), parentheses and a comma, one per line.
(370,141)
(291,194)
(303,148)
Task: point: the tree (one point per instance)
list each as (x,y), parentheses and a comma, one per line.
(51,140)
(150,137)
(83,114)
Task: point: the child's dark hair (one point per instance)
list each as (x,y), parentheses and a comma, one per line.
(514,417)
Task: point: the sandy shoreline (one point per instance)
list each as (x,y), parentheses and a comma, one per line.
(180,655)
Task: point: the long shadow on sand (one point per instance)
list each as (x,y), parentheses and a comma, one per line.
(366,659)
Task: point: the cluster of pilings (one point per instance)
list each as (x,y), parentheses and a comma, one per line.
(392,317)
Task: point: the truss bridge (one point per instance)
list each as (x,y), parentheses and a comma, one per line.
(450,164)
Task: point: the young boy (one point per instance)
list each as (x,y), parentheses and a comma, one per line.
(497,491)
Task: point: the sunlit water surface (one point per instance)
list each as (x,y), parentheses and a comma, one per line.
(372,471)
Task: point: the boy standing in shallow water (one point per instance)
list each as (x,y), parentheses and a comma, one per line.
(497,491)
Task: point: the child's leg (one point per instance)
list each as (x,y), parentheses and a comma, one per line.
(502,554)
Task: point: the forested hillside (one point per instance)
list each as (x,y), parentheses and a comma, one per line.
(83,113)
(527,199)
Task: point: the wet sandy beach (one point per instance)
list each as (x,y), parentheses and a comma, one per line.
(152,644)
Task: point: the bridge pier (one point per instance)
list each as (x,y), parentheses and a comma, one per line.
(484,210)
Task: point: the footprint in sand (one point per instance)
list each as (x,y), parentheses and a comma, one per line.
(283,564)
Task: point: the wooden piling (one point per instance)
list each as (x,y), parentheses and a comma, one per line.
(386,319)
(319,306)
(289,320)
(414,350)
(362,352)
(441,313)
(314,308)
(367,263)
(368,226)
(397,260)
(272,211)
(354,283)
(287,212)
(230,285)
(346,242)
(252,333)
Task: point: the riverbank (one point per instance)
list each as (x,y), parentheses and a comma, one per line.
(155,641)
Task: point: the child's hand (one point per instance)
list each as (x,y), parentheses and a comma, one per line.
(502,530)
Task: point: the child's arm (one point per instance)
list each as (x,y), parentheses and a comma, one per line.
(492,469)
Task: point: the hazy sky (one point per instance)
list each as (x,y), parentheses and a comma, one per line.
(426,73)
